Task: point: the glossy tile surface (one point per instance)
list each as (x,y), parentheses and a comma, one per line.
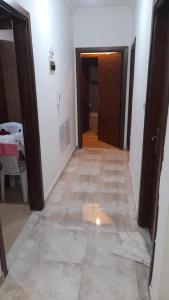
(65,251)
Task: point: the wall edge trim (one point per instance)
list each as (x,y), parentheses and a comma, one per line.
(133,187)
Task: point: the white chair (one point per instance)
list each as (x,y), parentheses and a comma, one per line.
(12,127)
(16,133)
(12,167)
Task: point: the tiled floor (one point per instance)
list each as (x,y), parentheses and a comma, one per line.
(13,212)
(13,217)
(65,252)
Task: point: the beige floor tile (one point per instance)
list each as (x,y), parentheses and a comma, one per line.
(65,252)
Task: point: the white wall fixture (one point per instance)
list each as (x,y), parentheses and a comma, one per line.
(64,135)
(52,64)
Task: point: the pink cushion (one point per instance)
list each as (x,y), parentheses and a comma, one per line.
(9,150)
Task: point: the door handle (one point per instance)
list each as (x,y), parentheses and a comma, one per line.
(153,138)
(156,139)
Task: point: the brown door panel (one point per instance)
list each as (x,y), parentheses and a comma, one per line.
(110,79)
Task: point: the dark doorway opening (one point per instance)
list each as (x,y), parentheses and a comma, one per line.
(130,104)
(155,121)
(101,93)
(13,14)
(14,200)
(90,98)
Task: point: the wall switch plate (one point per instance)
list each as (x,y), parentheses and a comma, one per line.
(52,64)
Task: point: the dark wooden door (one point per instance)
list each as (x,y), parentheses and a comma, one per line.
(9,81)
(2,254)
(155,119)
(3,104)
(84,94)
(132,65)
(110,81)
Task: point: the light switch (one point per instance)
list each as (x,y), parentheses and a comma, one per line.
(52,64)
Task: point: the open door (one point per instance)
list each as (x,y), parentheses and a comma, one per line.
(110,82)
(155,119)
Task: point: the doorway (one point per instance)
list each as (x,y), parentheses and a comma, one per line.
(14,203)
(101,93)
(132,67)
(156,116)
(19,126)
(155,121)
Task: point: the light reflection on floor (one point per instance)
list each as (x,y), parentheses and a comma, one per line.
(94,213)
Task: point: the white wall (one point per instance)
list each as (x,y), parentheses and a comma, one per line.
(106,27)
(161,262)
(163,291)
(52,25)
(142,31)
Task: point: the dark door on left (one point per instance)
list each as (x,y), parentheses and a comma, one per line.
(155,120)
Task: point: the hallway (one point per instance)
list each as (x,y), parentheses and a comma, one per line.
(65,251)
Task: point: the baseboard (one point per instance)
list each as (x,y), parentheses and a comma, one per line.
(150,293)
(1,278)
(134,192)
(56,179)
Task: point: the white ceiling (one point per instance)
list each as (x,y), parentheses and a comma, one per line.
(87,4)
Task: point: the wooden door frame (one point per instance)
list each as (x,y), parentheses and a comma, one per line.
(27,88)
(2,254)
(142,211)
(131,86)
(142,216)
(124,52)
